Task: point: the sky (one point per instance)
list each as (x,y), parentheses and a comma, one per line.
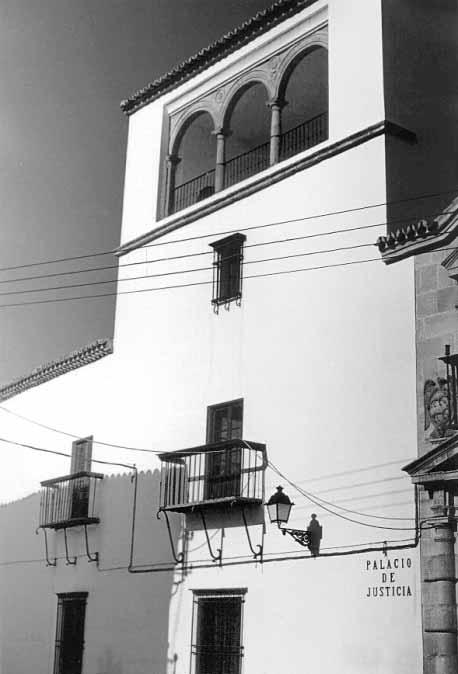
(65,65)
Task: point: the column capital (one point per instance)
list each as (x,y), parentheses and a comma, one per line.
(277,102)
(172,159)
(221,131)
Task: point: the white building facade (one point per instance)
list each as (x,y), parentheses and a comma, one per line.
(259,342)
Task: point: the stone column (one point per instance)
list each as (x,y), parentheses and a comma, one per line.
(220,159)
(440,613)
(276,107)
(171,162)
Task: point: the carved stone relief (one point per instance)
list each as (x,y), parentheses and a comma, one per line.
(437,413)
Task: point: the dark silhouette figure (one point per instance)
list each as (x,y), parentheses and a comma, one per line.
(315,531)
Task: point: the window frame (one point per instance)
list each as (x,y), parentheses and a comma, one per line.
(220,594)
(227,253)
(63,599)
(223,468)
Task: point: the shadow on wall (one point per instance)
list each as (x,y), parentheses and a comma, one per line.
(109,665)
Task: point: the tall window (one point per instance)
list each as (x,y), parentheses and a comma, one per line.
(227,269)
(217,639)
(223,466)
(81,462)
(71,610)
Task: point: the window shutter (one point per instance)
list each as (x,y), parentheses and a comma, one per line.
(81,455)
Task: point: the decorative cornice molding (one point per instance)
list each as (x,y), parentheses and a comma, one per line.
(271,176)
(259,24)
(420,237)
(88,354)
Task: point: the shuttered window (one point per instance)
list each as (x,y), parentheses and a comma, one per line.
(217,640)
(223,468)
(71,611)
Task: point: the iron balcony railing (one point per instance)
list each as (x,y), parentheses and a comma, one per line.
(69,500)
(230,471)
(247,164)
(304,136)
(193,190)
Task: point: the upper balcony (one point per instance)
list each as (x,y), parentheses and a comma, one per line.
(257,120)
(69,501)
(221,473)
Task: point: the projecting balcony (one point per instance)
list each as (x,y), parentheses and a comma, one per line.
(223,473)
(69,501)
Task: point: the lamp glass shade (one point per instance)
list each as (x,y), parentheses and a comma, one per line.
(279,507)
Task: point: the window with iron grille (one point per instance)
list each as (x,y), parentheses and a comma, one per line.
(223,468)
(217,631)
(227,269)
(71,611)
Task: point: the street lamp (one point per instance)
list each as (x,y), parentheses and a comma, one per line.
(279,507)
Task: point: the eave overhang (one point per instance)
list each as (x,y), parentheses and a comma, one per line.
(218,50)
(420,237)
(437,466)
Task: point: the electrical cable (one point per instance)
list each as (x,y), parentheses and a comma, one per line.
(180,257)
(72,435)
(180,271)
(184,285)
(271,224)
(314,499)
(57,453)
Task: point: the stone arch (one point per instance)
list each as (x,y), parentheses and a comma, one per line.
(181,123)
(292,60)
(239,87)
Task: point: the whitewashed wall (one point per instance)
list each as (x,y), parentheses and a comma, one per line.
(324,361)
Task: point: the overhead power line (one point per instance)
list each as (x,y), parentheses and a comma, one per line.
(270,224)
(180,271)
(57,453)
(321,503)
(76,437)
(185,285)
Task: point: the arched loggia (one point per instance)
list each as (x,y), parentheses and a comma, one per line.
(303,99)
(192,163)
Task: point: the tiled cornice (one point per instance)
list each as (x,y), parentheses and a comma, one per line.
(40,375)
(421,236)
(259,24)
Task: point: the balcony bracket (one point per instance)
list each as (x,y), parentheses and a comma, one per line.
(90,557)
(69,562)
(48,562)
(219,553)
(258,554)
(179,558)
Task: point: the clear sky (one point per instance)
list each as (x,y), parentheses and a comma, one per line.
(65,66)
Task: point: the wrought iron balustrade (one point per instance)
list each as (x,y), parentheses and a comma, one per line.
(69,500)
(229,471)
(193,190)
(247,164)
(304,136)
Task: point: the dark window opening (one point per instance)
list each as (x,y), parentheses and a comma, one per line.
(71,611)
(223,468)
(194,173)
(248,143)
(227,269)
(217,642)
(305,92)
